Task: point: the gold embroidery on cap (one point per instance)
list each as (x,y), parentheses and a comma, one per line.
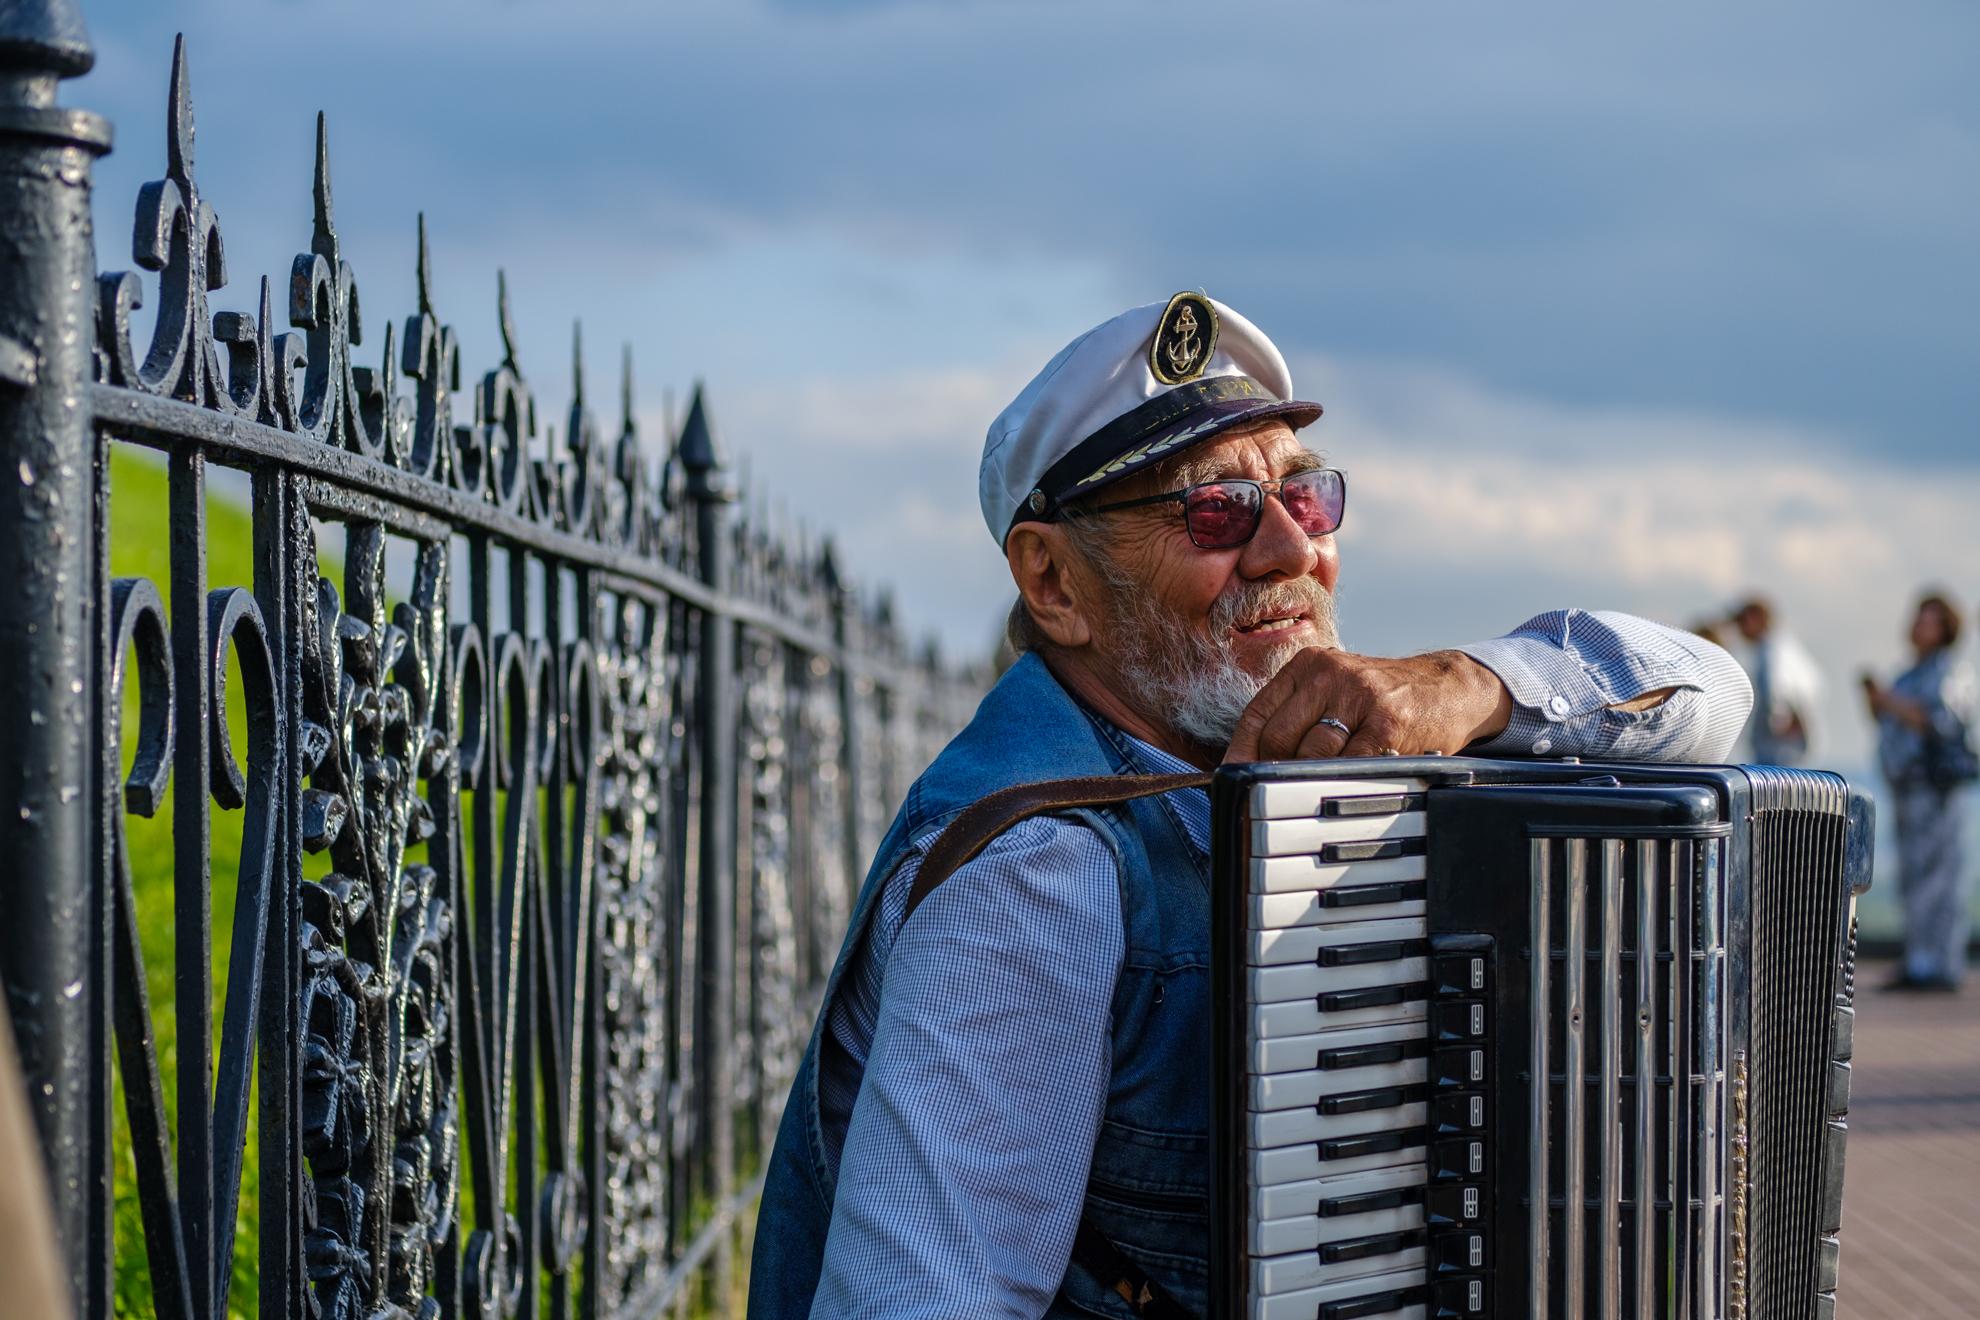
(1153,449)
(1185,338)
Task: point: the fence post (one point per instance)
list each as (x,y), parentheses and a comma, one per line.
(56,981)
(714,1031)
(852,801)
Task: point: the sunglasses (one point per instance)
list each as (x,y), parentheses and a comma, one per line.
(1225,513)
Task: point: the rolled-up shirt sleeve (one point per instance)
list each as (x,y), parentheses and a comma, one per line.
(1568,669)
(967,1152)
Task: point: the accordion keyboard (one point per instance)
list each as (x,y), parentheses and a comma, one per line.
(1345,1112)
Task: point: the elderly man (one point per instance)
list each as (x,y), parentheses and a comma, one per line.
(1004,1108)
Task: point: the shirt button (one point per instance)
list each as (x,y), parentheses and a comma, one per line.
(1541,746)
(1558,704)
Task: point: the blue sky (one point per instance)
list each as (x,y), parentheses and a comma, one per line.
(1608,309)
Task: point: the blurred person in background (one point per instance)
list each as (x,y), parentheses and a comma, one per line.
(1787,686)
(1923,723)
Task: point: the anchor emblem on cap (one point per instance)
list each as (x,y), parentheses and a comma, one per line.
(1182,349)
(1185,338)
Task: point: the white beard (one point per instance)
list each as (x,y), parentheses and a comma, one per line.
(1192,683)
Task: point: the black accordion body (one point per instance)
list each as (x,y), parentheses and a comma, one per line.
(1531,1039)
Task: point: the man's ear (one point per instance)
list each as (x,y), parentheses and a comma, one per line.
(1041,558)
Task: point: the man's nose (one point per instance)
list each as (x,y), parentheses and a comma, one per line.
(1281,547)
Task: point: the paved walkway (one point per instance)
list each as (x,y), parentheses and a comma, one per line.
(1911,1200)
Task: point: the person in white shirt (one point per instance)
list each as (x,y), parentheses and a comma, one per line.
(1787,686)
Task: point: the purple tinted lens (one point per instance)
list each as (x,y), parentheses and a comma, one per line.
(1222,514)
(1315,500)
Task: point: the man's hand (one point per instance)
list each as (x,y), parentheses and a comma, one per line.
(1439,702)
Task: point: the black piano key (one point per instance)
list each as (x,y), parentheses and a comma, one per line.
(1396,891)
(1381,1303)
(1393,805)
(1360,1102)
(1378,1244)
(1372,850)
(1372,996)
(1361,1203)
(1370,1143)
(1368,1056)
(1374,951)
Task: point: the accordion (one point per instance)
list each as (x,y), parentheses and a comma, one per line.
(1530,1039)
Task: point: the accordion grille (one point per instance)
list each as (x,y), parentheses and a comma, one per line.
(1800,908)
(1626,1152)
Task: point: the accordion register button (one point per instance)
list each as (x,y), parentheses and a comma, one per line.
(1458,1253)
(1458,974)
(1458,1158)
(1458,1019)
(1454,1297)
(1459,1111)
(1460,1204)
(1458,1065)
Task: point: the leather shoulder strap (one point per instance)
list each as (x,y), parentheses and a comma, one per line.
(983,820)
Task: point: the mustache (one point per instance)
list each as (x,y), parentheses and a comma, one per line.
(1250,602)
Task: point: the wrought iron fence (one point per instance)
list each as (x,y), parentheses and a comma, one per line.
(550,809)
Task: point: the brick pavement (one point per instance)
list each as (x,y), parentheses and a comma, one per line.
(1911,1200)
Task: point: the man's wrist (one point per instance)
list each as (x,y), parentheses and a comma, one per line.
(1488,701)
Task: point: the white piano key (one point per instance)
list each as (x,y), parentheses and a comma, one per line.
(1291,1090)
(1302,944)
(1304,1269)
(1305,1303)
(1288,1164)
(1302,1053)
(1291,875)
(1284,838)
(1301,909)
(1272,985)
(1302,1017)
(1303,798)
(1287,1200)
(1283,1127)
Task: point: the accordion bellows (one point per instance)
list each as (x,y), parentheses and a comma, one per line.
(1531,1039)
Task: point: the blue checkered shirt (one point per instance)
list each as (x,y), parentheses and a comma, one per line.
(967,1055)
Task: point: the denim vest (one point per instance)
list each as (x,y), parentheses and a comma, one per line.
(1149,1185)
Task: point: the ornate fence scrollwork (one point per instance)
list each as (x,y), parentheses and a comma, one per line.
(557,777)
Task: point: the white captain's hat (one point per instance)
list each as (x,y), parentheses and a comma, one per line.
(1129,392)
